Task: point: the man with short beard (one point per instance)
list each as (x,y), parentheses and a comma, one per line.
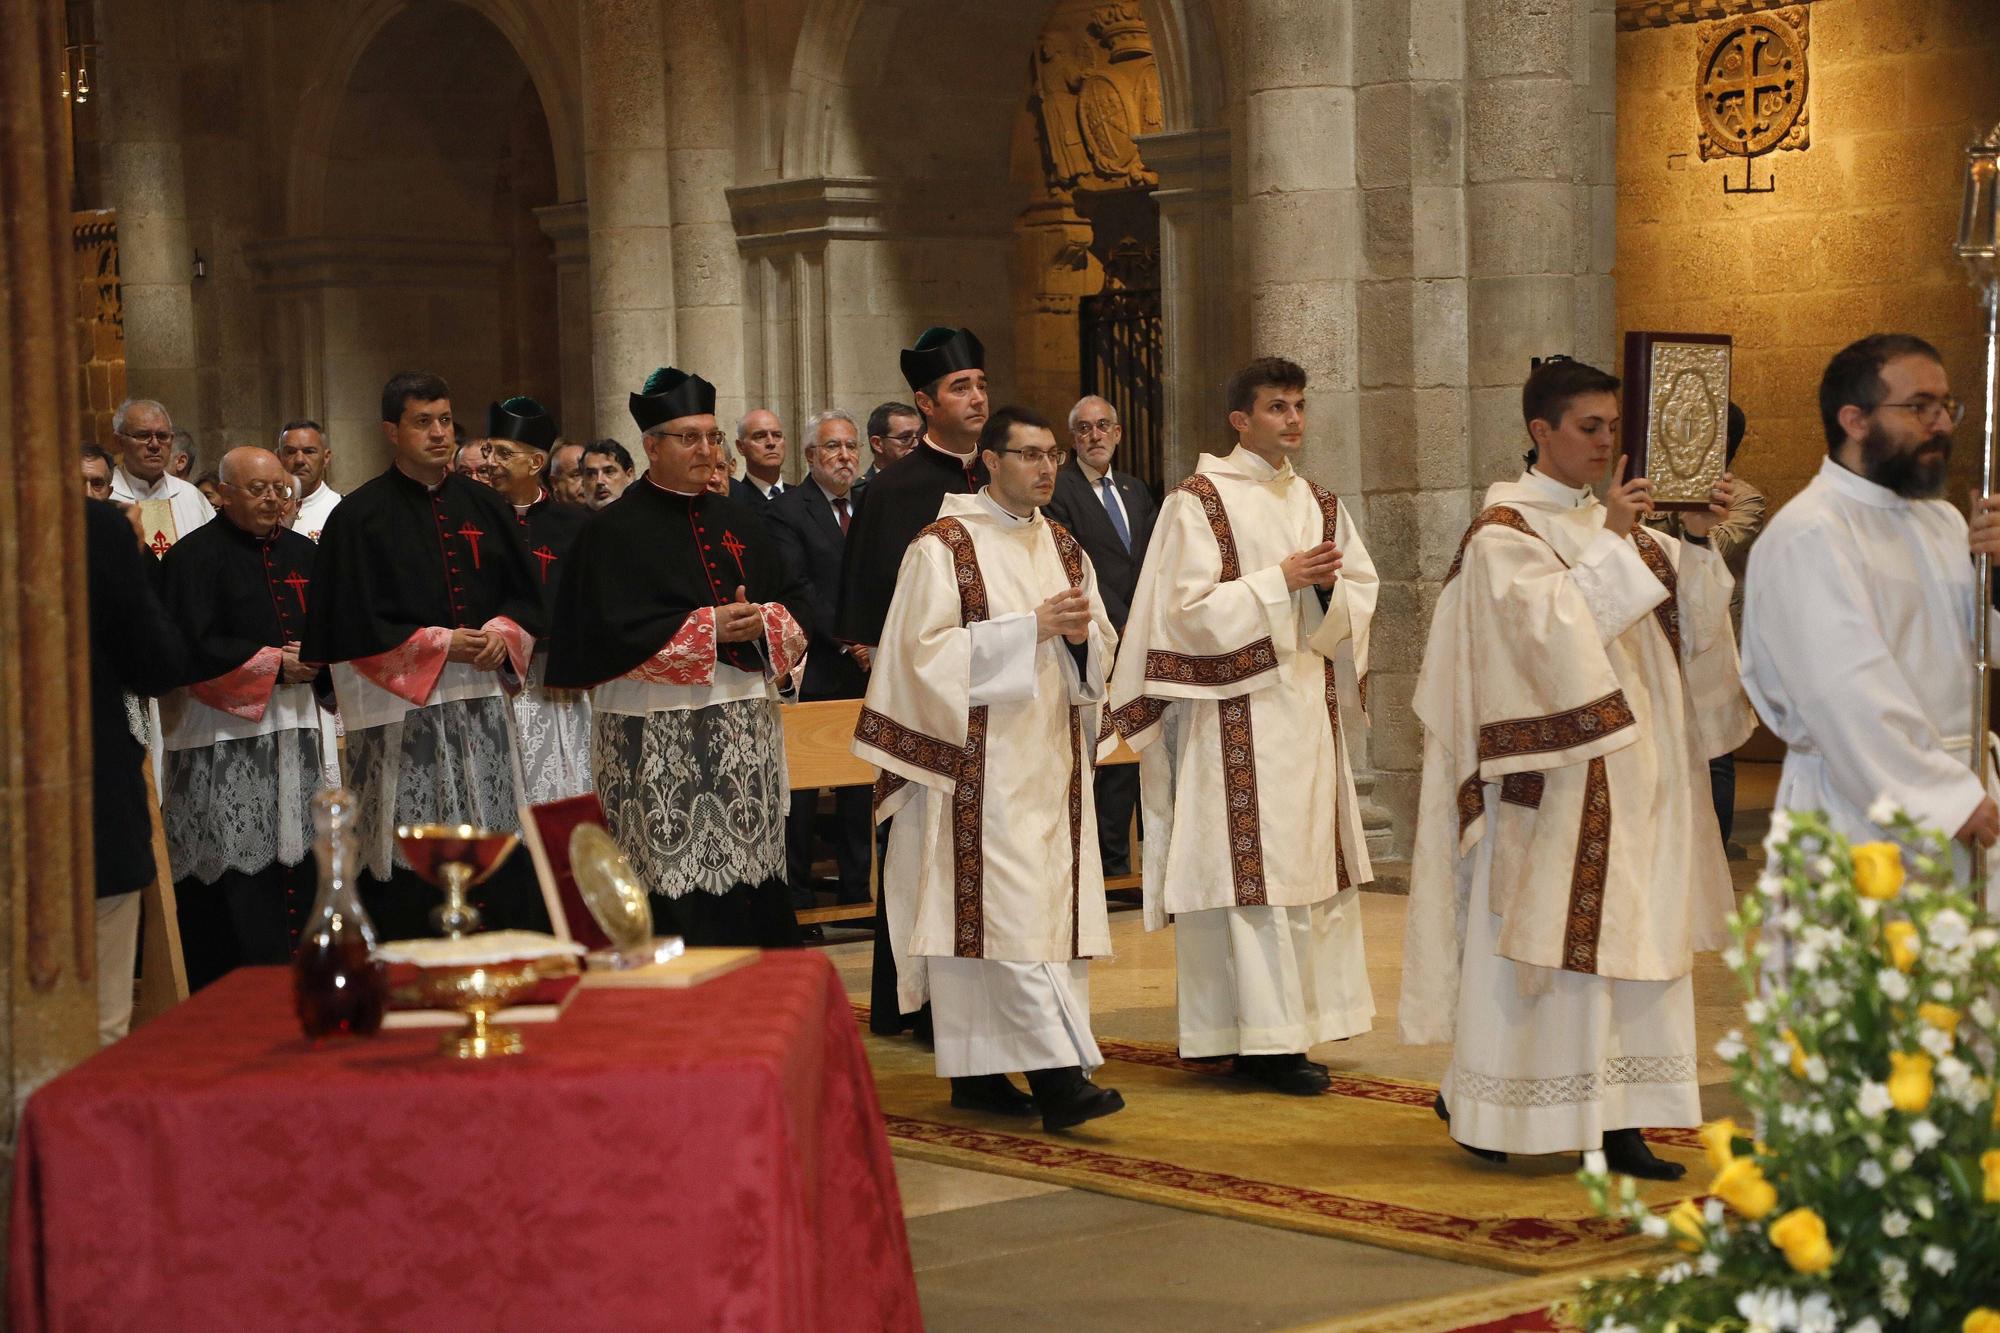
(169,508)
(606,472)
(1856,616)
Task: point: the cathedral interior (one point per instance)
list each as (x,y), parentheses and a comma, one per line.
(258,210)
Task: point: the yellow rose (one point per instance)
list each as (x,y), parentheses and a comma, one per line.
(1687,1226)
(1742,1186)
(1802,1236)
(1989,1162)
(1900,938)
(1798,1054)
(1878,869)
(1983,1320)
(1940,1016)
(1909,1081)
(1718,1137)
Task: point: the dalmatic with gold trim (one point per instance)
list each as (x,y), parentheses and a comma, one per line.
(984,737)
(1568,864)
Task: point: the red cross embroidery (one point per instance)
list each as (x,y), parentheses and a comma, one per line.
(297,583)
(546,556)
(160,545)
(471,535)
(735,548)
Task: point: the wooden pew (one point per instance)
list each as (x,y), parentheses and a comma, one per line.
(818,737)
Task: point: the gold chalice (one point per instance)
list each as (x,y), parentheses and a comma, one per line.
(456,858)
(479,976)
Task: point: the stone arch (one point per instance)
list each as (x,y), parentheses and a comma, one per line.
(834,46)
(545,51)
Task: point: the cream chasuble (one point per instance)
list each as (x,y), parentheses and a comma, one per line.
(1225,687)
(1568,863)
(983,736)
(1857,651)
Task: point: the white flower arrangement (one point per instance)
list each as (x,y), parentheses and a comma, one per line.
(1871,1203)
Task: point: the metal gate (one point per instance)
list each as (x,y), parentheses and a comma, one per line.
(1119,338)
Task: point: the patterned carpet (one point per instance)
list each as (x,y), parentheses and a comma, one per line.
(1367,1161)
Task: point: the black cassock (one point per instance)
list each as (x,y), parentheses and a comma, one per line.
(694,794)
(395,557)
(552,730)
(898,504)
(237,807)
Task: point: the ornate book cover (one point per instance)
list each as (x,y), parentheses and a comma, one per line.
(1677,414)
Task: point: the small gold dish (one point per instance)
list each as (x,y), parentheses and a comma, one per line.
(478,976)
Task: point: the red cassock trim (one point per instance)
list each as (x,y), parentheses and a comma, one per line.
(410,670)
(246,691)
(785,639)
(687,659)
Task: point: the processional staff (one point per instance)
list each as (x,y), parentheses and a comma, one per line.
(1979,246)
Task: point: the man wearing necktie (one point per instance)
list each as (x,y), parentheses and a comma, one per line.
(810,522)
(1111,514)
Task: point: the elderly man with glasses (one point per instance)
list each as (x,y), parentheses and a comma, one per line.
(680,615)
(169,508)
(1111,513)
(242,737)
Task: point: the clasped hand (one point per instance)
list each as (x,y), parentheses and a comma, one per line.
(1067,613)
(481,649)
(739,621)
(1315,567)
(1720,497)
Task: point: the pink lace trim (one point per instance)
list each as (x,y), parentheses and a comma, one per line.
(785,639)
(520,645)
(410,670)
(246,691)
(687,659)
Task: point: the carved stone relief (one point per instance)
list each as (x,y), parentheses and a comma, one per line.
(1750,84)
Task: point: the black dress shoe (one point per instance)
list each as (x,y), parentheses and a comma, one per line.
(1289,1074)
(1483,1154)
(1625,1152)
(994,1094)
(1067,1098)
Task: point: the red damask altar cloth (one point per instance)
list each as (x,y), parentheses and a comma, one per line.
(704,1159)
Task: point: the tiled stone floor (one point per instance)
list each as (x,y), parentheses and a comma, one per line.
(996,1253)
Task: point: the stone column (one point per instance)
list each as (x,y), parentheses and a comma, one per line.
(568,225)
(701,166)
(47,908)
(1539,195)
(1195,241)
(1298,225)
(626,180)
(139,79)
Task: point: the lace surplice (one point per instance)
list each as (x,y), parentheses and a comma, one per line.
(696,797)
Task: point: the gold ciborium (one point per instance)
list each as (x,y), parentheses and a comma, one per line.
(456,858)
(479,976)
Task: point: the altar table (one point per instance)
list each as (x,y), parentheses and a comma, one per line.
(702,1159)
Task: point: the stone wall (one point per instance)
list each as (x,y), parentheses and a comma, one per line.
(1855,239)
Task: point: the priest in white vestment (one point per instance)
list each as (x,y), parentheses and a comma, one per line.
(1255,580)
(169,508)
(1859,603)
(1580,673)
(982,713)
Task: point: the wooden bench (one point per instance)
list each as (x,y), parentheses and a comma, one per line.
(817,740)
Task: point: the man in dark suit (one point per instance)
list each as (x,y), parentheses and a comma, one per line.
(810,523)
(1111,514)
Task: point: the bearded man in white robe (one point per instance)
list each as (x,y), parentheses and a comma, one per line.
(1254,582)
(982,713)
(1579,675)
(1858,608)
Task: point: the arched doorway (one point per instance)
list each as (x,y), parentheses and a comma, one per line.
(906,160)
(422,248)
